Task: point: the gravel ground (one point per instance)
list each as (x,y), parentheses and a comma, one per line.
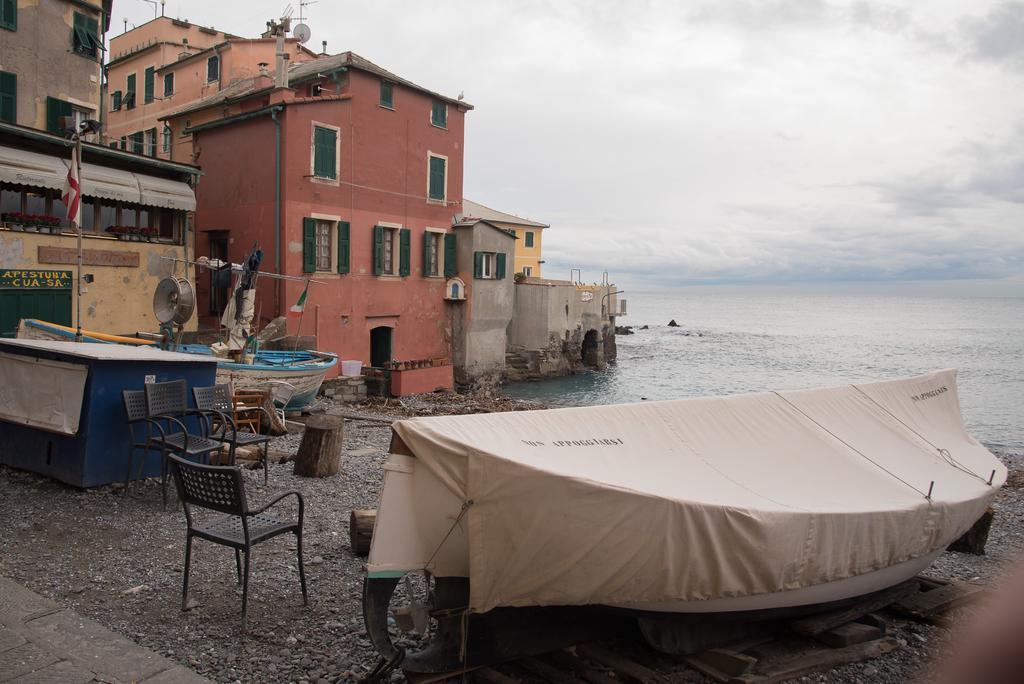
(118,560)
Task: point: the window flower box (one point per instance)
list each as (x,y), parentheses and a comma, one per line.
(32,223)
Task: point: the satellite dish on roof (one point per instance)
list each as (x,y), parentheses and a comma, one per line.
(301,33)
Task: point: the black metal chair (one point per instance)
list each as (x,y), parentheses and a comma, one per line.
(135,410)
(222,489)
(218,399)
(167,404)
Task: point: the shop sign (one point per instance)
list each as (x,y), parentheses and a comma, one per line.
(28,279)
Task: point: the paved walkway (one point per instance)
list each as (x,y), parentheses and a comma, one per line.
(41,641)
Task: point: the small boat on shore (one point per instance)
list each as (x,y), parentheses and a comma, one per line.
(303,370)
(671,512)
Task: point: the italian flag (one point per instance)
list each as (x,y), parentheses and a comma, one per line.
(300,305)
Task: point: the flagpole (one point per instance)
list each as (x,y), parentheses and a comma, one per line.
(77,225)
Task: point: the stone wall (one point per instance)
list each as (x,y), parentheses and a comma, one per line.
(345,388)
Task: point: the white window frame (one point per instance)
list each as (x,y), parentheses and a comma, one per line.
(444,199)
(439,233)
(488,266)
(392,248)
(333,250)
(337,154)
(527,271)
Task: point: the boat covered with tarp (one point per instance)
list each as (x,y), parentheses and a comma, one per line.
(729,505)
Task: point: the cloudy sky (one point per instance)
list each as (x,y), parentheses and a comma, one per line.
(778,142)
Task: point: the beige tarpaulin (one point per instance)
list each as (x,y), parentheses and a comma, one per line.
(239,326)
(707,498)
(42,393)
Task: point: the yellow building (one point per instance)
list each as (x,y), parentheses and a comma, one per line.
(133,212)
(529,235)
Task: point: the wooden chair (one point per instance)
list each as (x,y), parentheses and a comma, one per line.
(222,489)
(167,405)
(217,400)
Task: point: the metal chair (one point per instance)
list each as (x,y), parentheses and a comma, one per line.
(135,410)
(222,489)
(218,399)
(167,404)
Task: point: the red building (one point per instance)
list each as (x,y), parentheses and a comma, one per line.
(350,175)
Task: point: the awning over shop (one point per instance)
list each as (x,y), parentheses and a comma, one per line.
(112,184)
(31,168)
(160,192)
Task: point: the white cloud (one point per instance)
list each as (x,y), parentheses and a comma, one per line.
(733,140)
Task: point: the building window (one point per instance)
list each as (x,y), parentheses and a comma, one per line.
(391,250)
(439,114)
(151,142)
(323,245)
(115,101)
(213,68)
(489,265)
(387,95)
(137,142)
(129,91)
(528,240)
(325,152)
(167,139)
(147,83)
(9,14)
(8,96)
(85,38)
(168,85)
(432,253)
(56,110)
(437,178)
(527,271)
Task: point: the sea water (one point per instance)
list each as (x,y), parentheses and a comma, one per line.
(729,343)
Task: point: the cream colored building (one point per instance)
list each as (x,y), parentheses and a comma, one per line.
(51,52)
(529,235)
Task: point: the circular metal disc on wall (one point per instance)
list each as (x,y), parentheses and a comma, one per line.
(174,300)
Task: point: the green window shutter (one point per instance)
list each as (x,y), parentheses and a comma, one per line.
(478,264)
(499,266)
(85,35)
(9,14)
(404,245)
(129,87)
(148,84)
(378,250)
(343,246)
(529,238)
(308,245)
(8,97)
(387,95)
(55,109)
(213,68)
(436,191)
(324,149)
(168,85)
(450,255)
(115,100)
(92,27)
(439,114)
(427,235)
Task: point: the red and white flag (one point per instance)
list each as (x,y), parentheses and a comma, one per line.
(72,196)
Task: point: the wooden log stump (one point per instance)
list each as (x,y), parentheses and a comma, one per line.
(360,530)
(320,451)
(975,538)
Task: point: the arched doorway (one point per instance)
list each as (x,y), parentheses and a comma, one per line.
(590,350)
(380,346)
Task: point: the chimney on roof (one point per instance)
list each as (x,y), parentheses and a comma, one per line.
(264,70)
(324,51)
(278,30)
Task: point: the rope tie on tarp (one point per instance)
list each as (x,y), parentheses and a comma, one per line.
(944,453)
(855,449)
(458,519)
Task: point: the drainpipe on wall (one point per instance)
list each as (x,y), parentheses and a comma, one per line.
(277,207)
